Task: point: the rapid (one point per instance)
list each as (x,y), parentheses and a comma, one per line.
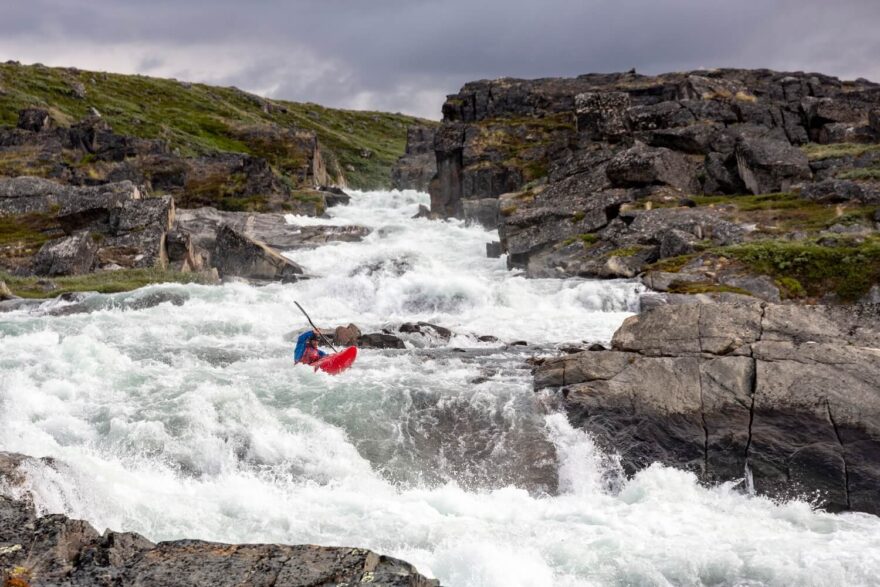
(192,421)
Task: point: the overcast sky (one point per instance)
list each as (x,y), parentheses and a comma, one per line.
(406,55)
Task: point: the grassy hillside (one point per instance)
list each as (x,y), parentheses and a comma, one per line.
(201,119)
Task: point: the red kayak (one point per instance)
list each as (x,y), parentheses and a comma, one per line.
(337,362)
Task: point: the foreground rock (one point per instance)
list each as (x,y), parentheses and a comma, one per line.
(56,550)
(789,393)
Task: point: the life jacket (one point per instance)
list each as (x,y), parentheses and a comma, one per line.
(310,355)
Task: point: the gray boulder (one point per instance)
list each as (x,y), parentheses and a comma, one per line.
(642,165)
(237,255)
(380,340)
(601,116)
(34,119)
(767,165)
(346,335)
(69,255)
(786,393)
(832,191)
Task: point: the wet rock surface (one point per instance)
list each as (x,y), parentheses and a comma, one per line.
(787,393)
(414,170)
(57,550)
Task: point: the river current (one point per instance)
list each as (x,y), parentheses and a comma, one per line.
(192,421)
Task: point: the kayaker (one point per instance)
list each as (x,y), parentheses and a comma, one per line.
(307,350)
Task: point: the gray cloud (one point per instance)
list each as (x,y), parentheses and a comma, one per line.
(405,55)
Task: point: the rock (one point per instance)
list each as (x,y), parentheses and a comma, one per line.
(238,255)
(380,340)
(346,335)
(57,550)
(494,250)
(674,242)
(414,170)
(334,196)
(664,281)
(831,191)
(642,165)
(787,391)
(5,293)
(602,116)
(426,329)
(182,255)
(34,119)
(70,255)
(487,338)
(203,224)
(874,120)
(767,166)
(658,116)
(424,212)
(77,206)
(483,211)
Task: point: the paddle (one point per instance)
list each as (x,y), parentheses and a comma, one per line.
(315,328)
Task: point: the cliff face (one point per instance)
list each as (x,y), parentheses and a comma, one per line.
(415,169)
(604,175)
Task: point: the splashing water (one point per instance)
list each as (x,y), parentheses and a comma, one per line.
(193,421)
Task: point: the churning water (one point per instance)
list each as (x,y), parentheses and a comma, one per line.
(192,421)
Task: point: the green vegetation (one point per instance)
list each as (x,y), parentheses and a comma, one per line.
(587,239)
(860,173)
(776,201)
(686,287)
(199,119)
(848,269)
(25,234)
(816,152)
(100,281)
(626,251)
(672,264)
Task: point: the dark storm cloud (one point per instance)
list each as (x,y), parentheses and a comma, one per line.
(406,54)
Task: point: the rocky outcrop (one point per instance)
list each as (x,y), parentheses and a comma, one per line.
(107,226)
(415,169)
(280,173)
(238,255)
(57,550)
(561,166)
(785,394)
(272,229)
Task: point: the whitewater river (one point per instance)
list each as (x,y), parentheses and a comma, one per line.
(192,421)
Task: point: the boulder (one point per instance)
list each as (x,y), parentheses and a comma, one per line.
(642,165)
(832,191)
(601,116)
(670,114)
(34,119)
(426,329)
(767,165)
(380,340)
(334,196)
(5,292)
(69,255)
(237,255)
(785,393)
(75,206)
(346,335)
(874,120)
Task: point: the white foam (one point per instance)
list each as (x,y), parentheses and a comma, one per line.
(192,421)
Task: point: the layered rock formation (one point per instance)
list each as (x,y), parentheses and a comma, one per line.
(56,550)
(415,169)
(61,230)
(89,152)
(786,394)
(603,175)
